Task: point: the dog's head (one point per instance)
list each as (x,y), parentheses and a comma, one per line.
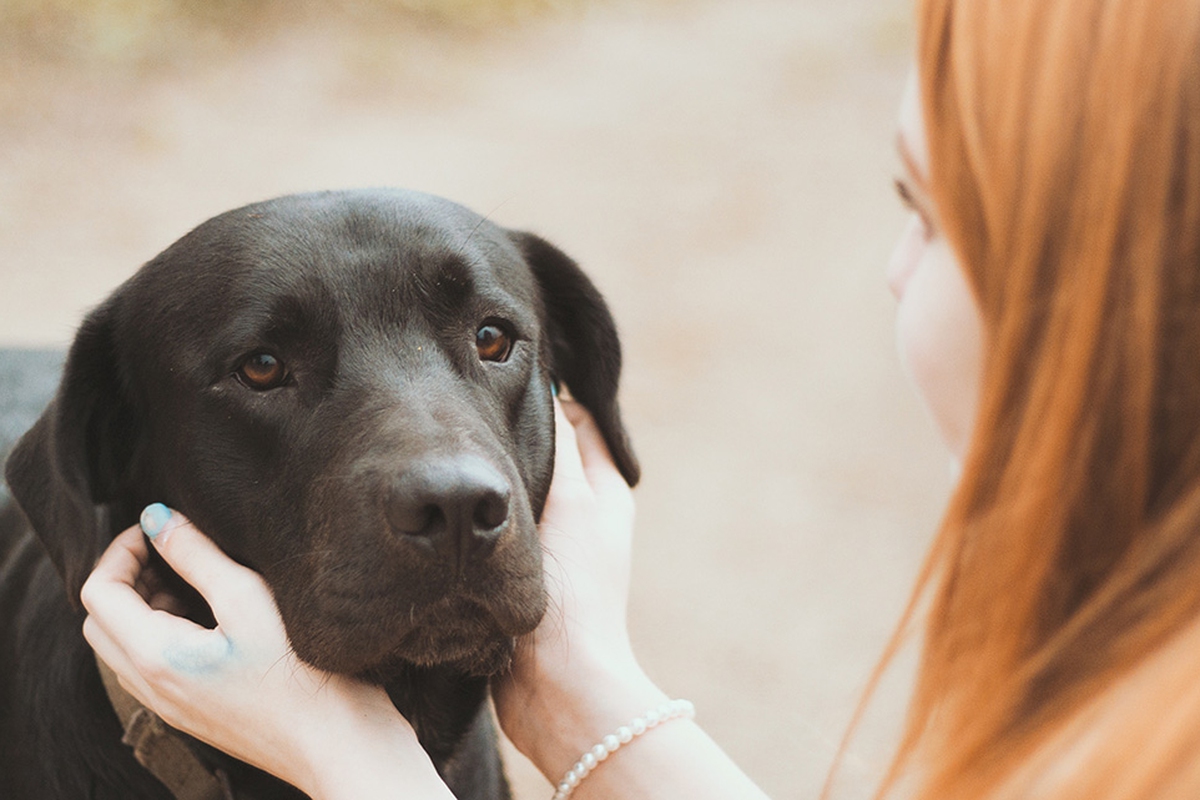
(351,393)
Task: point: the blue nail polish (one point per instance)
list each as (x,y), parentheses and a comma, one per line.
(553,388)
(154,517)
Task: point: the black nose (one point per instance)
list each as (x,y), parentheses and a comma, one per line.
(457,507)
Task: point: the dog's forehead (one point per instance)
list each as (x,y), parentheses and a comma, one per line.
(363,251)
(393,235)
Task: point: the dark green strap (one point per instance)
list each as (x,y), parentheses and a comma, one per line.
(158,747)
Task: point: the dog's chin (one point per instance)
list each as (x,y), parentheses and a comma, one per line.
(457,632)
(478,658)
(481,658)
(465,648)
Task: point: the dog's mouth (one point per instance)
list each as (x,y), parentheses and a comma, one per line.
(458,632)
(376,640)
(472,650)
(371,609)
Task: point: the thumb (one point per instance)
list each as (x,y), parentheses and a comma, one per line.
(220,580)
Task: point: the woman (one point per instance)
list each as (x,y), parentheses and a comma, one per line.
(1049,316)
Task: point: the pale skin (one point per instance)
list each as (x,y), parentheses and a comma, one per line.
(575,679)
(939,332)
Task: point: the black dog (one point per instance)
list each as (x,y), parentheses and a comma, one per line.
(351,393)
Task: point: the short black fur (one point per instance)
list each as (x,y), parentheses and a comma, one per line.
(372,300)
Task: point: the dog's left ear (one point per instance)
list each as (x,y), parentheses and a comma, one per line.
(68,464)
(585,351)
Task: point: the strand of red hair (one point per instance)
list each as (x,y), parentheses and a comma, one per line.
(1064,141)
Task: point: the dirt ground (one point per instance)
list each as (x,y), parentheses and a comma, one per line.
(723,171)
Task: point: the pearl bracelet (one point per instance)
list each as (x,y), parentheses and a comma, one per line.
(673,709)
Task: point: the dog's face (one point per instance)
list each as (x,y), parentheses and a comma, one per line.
(350,392)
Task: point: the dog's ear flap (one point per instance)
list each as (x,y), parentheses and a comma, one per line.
(585,351)
(69,463)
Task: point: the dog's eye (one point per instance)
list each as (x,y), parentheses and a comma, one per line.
(262,371)
(493,343)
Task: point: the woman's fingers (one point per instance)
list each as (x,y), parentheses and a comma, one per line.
(593,454)
(567,463)
(117,658)
(587,523)
(110,591)
(128,635)
(586,530)
(222,582)
(238,686)
(123,561)
(129,623)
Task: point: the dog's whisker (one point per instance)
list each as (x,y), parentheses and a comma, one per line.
(324,551)
(555,608)
(485,218)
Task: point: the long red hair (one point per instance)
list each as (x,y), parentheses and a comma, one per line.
(1062,643)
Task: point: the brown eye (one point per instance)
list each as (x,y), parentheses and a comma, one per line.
(262,371)
(492,343)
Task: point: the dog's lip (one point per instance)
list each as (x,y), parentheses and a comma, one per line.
(477,656)
(450,643)
(453,610)
(451,631)
(512,604)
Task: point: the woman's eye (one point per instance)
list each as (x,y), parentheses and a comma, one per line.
(909,200)
(493,343)
(262,371)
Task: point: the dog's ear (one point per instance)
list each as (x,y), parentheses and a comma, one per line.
(585,351)
(70,462)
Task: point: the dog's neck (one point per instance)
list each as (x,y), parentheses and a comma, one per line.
(419,694)
(161,749)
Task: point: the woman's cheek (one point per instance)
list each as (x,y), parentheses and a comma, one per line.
(905,256)
(940,338)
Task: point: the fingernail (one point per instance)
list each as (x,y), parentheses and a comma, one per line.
(553,387)
(154,517)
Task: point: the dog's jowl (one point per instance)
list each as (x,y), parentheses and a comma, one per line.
(351,393)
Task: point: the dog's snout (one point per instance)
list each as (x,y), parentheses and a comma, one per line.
(457,507)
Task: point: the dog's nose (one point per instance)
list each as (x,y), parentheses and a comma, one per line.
(458,507)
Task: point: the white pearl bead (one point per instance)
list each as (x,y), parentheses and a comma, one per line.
(622,736)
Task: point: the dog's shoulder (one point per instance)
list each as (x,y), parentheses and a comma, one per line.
(61,736)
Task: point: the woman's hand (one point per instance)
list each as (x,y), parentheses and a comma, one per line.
(575,678)
(238,686)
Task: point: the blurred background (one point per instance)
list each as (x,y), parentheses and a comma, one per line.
(722,169)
